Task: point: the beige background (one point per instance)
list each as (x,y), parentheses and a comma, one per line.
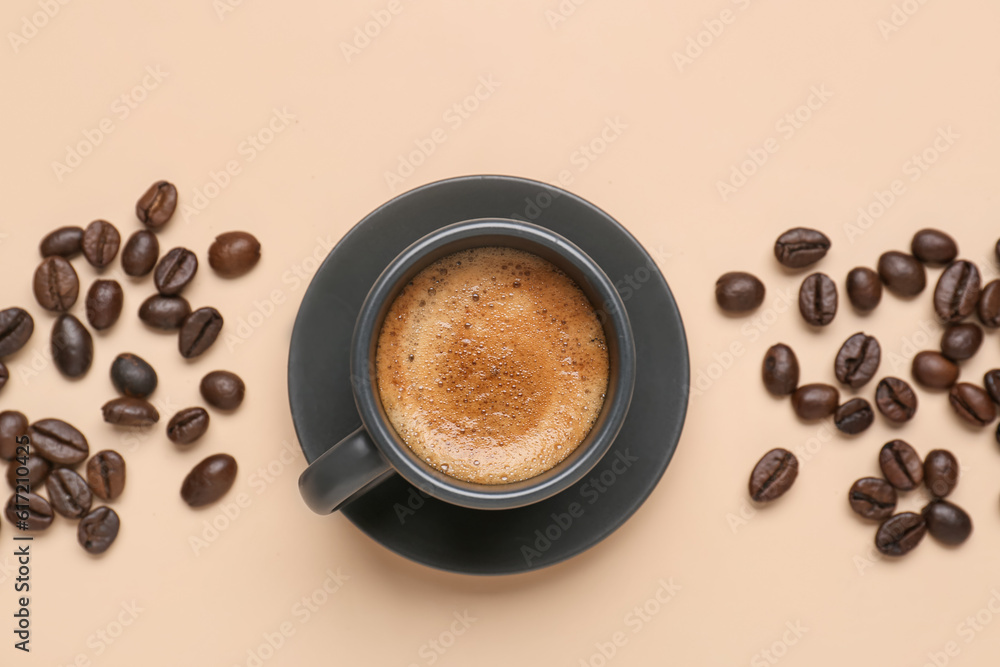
(745,577)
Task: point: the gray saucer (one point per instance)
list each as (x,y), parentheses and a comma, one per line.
(471,541)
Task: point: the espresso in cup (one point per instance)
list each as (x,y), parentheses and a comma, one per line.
(492,365)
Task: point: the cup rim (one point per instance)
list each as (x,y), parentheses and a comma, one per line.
(399,456)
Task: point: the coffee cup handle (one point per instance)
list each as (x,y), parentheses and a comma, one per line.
(343,473)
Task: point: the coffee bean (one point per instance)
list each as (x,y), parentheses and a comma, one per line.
(4,375)
(780,371)
(864,289)
(957,291)
(895,399)
(174,271)
(933,246)
(934,370)
(815,401)
(209,480)
(68,493)
(988,308)
(65,242)
(133,376)
(818,299)
(872,498)
(157,204)
(199,331)
(35,511)
(858,360)
(972,404)
(98,530)
(773,475)
(992,383)
(902,273)
(941,472)
(32,472)
(164,312)
(800,247)
(16,327)
(130,412)
(140,253)
(13,425)
(947,522)
(56,284)
(225,390)
(961,341)
(100,243)
(187,426)
(104,303)
(738,292)
(900,534)
(901,465)
(58,442)
(854,416)
(106,474)
(72,346)
(234,253)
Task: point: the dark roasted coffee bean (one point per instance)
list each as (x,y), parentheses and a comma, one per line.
(187,426)
(992,383)
(106,474)
(104,303)
(133,376)
(130,412)
(940,472)
(947,522)
(16,327)
(933,247)
(225,390)
(961,341)
(100,243)
(934,370)
(65,242)
(972,404)
(895,399)
(988,308)
(29,510)
(800,247)
(854,416)
(900,534)
(773,475)
(98,530)
(58,442)
(738,292)
(901,465)
(56,284)
(872,498)
(864,288)
(4,375)
(234,253)
(72,346)
(815,401)
(174,271)
(818,299)
(13,425)
(199,331)
(140,253)
(957,291)
(902,273)
(32,472)
(68,493)
(209,480)
(157,204)
(780,371)
(164,312)
(858,360)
